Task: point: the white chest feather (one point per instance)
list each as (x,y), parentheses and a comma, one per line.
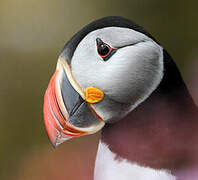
(107,167)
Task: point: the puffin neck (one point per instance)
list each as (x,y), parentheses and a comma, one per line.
(156,134)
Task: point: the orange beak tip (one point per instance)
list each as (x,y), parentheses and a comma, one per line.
(55,124)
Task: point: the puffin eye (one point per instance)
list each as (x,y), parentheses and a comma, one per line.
(104,50)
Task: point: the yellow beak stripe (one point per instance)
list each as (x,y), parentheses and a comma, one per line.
(93,95)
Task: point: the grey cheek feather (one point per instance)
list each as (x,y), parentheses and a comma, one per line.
(127,89)
(127,78)
(131,74)
(111,110)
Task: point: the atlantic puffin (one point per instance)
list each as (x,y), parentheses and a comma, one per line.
(113,76)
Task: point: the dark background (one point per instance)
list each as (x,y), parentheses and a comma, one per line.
(32,34)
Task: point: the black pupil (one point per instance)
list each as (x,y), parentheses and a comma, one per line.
(103,49)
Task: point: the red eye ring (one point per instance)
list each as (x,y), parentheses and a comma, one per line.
(104,50)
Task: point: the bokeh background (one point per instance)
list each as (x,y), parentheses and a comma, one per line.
(32,34)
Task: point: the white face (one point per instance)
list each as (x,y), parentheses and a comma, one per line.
(127,78)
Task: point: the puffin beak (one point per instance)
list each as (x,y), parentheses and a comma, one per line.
(67,108)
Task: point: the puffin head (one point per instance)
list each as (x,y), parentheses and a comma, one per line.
(104,71)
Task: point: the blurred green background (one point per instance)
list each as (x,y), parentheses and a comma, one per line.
(32,34)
